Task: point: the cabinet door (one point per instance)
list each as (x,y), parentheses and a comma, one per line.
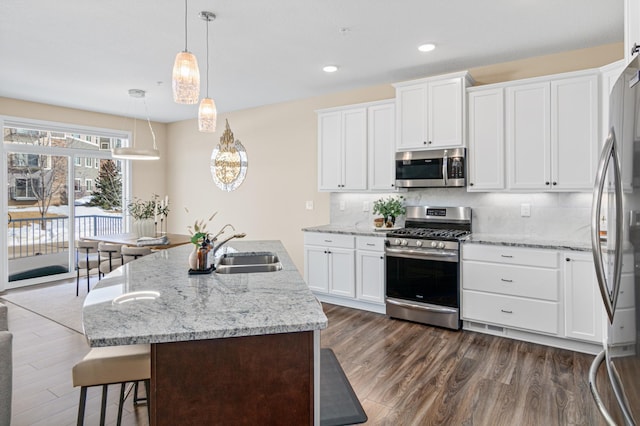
(583,308)
(574,132)
(316,272)
(444,109)
(528,136)
(330,151)
(341,272)
(631,27)
(354,149)
(381,135)
(411,117)
(370,276)
(486,140)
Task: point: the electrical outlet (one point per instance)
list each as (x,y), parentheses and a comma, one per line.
(309,205)
(525,210)
(342,204)
(365,206)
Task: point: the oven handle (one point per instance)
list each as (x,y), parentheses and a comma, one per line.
(423,306)
(438,256)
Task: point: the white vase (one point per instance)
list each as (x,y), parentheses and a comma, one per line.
(144,228)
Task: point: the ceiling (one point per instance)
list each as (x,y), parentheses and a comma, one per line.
(86,54)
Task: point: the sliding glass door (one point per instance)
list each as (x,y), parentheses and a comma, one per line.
(61,186)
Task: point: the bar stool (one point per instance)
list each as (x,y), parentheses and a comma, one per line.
(132,253)
(110,257)
(87,257)
(112,365)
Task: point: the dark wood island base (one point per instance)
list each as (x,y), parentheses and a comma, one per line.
(266,379)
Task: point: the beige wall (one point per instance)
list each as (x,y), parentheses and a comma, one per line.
(148,176)
(282,151)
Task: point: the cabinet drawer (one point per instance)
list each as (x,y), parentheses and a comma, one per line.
(626,295)
(623,329)
(535,315)
(331,240)
(511,255)
(370,243)
(511,280)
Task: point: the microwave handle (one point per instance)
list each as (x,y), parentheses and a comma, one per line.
(445,162)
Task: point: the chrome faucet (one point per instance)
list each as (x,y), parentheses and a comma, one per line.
(223,242)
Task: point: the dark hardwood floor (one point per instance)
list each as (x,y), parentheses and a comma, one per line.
(403,373)
(411,374)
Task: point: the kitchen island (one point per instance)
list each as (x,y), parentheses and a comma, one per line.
(225,348)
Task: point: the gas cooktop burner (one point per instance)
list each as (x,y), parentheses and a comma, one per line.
(430,233)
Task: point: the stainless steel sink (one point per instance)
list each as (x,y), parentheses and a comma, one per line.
(244,263)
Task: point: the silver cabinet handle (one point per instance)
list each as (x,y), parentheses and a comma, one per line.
(445,161)
(506,255)
(609,152)
(506,281)
(505,311)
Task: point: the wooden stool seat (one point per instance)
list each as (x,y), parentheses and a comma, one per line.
(111,365)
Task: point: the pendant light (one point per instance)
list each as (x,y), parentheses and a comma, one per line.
(207,113)
(133,153)
(186,75)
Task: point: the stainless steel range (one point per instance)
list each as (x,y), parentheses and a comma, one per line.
(422,265)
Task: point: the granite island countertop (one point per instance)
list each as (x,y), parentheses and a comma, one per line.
(159,302)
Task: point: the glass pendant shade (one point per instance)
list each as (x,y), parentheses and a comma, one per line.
(207,115)
(186,78)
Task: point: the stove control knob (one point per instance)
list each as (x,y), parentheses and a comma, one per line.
(440,245)
(434,244)
(404,242)
(396,242)
(418,243)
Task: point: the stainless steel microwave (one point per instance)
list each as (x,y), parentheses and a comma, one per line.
(431,169)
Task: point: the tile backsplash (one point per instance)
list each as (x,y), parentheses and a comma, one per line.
(557,216)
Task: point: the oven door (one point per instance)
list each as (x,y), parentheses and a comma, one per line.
(429,279)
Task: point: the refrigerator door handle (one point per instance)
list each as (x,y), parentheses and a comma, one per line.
(609,152)
(593,372)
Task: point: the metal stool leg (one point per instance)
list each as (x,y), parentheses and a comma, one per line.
(103,407)
(121,403)
(81,406)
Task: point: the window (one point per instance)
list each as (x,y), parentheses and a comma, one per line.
(104,145)
(88,185)
(77,161)
(96,163)
(24,189)
(25,160)
(77,184)
(88,162)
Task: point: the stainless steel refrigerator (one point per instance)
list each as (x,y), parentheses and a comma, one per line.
(616,252)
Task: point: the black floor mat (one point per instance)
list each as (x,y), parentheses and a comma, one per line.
(339,404)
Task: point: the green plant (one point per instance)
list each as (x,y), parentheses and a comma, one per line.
(389,208)
(140,209)
(198,230)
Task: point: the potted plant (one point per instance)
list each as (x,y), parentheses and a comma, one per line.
(143,213)
(389,208)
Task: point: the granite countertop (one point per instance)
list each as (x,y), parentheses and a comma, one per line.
(363,230)
(528,241)
(181,307)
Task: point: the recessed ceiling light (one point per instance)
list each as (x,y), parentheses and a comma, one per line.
(426,47)
(330,68)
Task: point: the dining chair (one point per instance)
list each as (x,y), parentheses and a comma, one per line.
(87,257)
(110,256)
(133,253)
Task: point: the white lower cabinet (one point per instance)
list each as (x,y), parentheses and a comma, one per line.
(583,313)
(370,269)
(346,270)
(540,295)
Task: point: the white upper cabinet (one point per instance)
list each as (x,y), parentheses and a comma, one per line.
(486,139)
(381,135)
(528,135)
(342,150)
(631,28)
(356,147)
(430,112)
(552,133)
(574,132)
